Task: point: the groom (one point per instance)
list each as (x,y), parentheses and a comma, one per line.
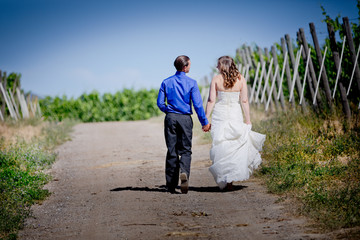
(176,95)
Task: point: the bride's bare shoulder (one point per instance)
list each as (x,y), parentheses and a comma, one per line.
(242,82)
(242,79)
(217,77)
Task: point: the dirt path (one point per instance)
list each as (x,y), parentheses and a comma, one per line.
(108,184)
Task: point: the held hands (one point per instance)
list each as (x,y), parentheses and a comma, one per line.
(206,128)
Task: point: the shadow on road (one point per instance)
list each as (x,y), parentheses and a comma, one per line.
(215,189)
(163,189)
(146,189)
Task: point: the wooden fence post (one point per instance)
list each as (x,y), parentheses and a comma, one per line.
(243,57)
(247,53)
(266,87)
(237,53)
(353,71)
(5,86)
(320,74)
(282,76)
(287,67)
(305,77)
(260,80)
(239,68)
(272,87)
(273,51)
(265,74)
(8,102)
(38,108)
(292,59)
(254,83)
(319,57)
(334,49)
(31,103)
(274,92)
(307,57)
(12,99)
(338,73)
(311,67)
(3,106)
(295,74)
(16,82)
(28,101)
(253,62)
(246,72)
(23,105)
(350,42)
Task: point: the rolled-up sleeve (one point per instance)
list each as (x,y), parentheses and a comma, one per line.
(198,105)
(161,99)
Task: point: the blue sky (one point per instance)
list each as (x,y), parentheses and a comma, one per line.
(71,47)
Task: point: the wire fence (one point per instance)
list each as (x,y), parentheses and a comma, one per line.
(15,104)
(298,74)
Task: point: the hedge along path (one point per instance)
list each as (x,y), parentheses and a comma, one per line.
(108,184)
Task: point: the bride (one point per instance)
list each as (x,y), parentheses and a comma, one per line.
(235,148)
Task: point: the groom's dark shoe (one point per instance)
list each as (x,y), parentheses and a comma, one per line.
(184,183)
(170,189)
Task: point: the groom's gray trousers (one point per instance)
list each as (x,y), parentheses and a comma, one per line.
(178,137)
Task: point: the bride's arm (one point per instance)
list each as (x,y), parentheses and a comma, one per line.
(212,98)
(245,100)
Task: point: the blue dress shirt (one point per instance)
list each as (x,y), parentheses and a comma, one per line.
(180,91)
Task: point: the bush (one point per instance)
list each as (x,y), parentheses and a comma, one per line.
(317,160)
(22,176)
(122,106)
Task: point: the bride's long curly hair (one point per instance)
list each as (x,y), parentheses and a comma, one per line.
(228,70)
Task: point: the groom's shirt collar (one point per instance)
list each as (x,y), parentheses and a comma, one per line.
(180,73)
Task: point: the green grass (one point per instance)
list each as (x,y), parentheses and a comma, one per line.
(22,176)
(316,160)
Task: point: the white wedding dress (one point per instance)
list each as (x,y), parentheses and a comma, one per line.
(235,148)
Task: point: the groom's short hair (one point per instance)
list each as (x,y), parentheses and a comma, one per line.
(181,62)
